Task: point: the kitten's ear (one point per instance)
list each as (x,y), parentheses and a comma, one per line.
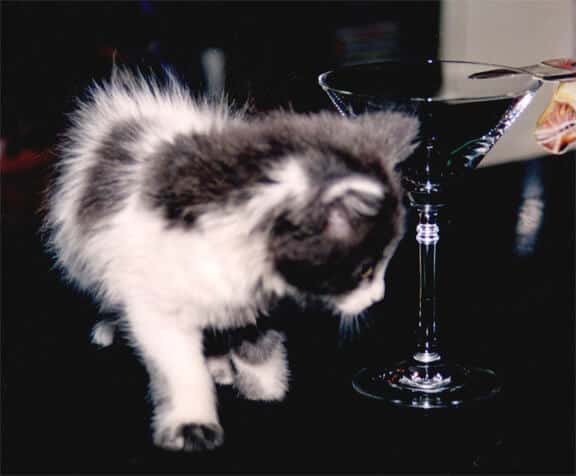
(351,202)
(396,133)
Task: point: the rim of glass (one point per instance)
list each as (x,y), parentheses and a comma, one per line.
(534,85)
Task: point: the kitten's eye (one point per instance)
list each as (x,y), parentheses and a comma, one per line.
(367,273)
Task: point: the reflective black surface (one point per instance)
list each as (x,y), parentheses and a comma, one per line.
(506,301)
(506,283)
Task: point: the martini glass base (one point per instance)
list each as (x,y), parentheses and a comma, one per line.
(426,386)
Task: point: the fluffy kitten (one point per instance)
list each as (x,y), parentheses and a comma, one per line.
(184,216)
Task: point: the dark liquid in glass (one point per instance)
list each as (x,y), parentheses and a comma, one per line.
(455,136)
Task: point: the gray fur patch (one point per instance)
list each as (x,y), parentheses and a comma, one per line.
(108,180)
(306,255)
(248,386)
(207,170)
(260,350)
(210,170)
(198,173)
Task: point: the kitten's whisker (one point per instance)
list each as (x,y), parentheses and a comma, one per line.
(351,328)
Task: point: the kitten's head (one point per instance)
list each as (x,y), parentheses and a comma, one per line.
(336,244)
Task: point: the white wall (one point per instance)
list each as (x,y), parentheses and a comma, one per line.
(516,33)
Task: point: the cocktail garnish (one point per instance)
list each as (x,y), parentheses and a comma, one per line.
(556,127)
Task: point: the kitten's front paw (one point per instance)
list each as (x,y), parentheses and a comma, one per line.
(199,437)
(262,368)
(262,349)
(190,437)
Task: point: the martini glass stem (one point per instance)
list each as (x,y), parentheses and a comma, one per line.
(427,236)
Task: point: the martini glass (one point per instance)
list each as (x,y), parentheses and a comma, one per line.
(461,118)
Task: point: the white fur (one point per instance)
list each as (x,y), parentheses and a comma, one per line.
(165,319)
(267,380)
(360,184)
(338,221)
(221,370)
(143,252)
(354,303)
(164,112)
(183,386)
(103,333)
(364,296)
(170,283)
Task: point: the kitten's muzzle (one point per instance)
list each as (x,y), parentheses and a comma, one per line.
(360,299)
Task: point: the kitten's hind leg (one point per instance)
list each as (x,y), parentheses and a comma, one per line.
(261,367)
(103,333)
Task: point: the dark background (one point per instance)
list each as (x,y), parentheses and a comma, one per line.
(507,300)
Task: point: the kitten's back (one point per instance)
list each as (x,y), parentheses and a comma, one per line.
(144,162)
(102,156)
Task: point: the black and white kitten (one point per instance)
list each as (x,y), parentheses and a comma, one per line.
(185,216)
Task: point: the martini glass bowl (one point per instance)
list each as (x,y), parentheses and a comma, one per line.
(462,115)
